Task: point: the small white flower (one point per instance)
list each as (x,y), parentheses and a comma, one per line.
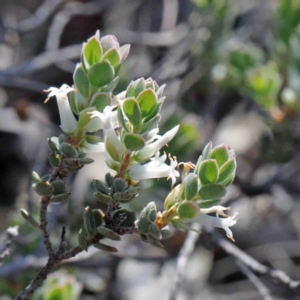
(107,122)
(152,148)
(94,148)
(67,119)
(224,223)
(96,124)
(120,96)
(218,210)
(156,168)
(150,136)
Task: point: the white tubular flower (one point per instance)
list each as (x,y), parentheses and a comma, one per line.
(94,148)
(106,123)
(152,148)
(149,137)
(224,223)
(218,209)
(67,119)
(156,168)
(121,96)
(96,124)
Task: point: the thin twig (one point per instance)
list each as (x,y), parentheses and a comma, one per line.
(47,59)
(38,280)
(84,260)
(155,39)
(184,254)
(44,225)
(39,17)
(9,80)
(261,288)
(11,232)
(249,261)
(54,259)
(62,244)
(62,18)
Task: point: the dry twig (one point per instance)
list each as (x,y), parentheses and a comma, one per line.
(250,262)
(184,254)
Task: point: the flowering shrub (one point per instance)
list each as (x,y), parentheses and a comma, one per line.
(131,142)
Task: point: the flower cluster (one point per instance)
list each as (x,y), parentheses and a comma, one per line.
(129,123)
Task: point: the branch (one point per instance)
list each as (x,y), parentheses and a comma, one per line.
(155,39)
(262,289)
(42,275)
(13,80)
(82,260)
(250,262)
(53,260)
(47,59)
(184,254)
(62,18)
(11,233)
(44,225)
(39,17)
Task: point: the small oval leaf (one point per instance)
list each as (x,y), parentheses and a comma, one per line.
(132,111)
(113,57)
(227,171)
(102,187)
(212,191)
(144,225)
(208,171)
(188,210)
(105,248)
(103,198)
(191,186)
(82,241)
(155,232)
(108,233)
(135,88)
(220,154)
(68,150)
(101,74)
(100,101)
(81,81)
(60,197)
(92,51)
(89,221)
(43,188)
(29,218)
(147,102)
(133,142)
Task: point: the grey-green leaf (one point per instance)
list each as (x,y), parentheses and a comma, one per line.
(82,241)
(43,188)
(133,142)
(100,101)
(212,191)
(29,218)
(105,248)
(81,81)
(208,171)
(220,154)
(89,221)
(68,150)
(108,233)
(191,186)
(132,111)
(155,232)
(144,225)
(101,74)
(227,171)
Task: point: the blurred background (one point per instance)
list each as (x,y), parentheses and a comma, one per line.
(232,69)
